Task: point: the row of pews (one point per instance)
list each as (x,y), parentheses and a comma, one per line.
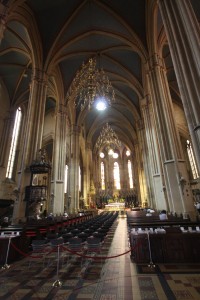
(15,240)
(175,240)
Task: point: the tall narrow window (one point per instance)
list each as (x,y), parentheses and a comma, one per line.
(130,174)
(13,147)
(102,176)
(66,178)
(192,160)
(116,176)
(79,179)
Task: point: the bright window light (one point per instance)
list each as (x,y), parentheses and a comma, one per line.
(102,155)
(192,160)
(102,176)
(110,152)
(130,174)
(116,174)
(13,147)
(101,104)
(66,176)
(115,155)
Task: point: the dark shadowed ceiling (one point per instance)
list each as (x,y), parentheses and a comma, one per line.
(60,35)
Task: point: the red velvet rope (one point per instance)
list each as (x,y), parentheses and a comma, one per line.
(97,257)
(71,251)
(29,255)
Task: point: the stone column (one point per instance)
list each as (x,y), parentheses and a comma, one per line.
(3,13)
(124,175)
(141,153)
(110,175)
(33,132)
(135,169)
(88,172)
(174,166)
(35,116)
(6,137)
(153,155)
(183,33)
(59,161)
(74,167)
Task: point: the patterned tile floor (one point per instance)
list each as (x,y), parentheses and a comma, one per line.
(116,278)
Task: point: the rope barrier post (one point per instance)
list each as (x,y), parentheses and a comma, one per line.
(6,266)
(151,264)
(58,283)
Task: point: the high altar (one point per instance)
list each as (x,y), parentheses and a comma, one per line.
(115,205)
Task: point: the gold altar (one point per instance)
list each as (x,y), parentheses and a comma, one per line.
(115,206)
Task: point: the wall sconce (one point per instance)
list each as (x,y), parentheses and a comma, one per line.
(69,201)
(52,201)
(41,206)
(182,182)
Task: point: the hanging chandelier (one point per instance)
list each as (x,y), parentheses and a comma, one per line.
(91,86)
(108,138)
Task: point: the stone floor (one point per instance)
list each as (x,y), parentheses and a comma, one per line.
(113,278)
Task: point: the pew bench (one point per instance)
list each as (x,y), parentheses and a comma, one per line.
(170,246)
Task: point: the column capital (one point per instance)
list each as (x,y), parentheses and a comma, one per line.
(135,142)
(61,112)
(40,76)
(75,129)
(88,145)
(146,101)
(62,109)
(3,11)
(140,124)
(155,61)
(3,15)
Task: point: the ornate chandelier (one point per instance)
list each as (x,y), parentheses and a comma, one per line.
(107,138)
(90,85)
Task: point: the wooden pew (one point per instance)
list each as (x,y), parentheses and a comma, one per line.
(139,219)
(171,247)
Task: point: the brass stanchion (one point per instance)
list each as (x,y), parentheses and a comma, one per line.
(151,264)
(58,283)
(6,266)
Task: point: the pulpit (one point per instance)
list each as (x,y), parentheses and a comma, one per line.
(36,194)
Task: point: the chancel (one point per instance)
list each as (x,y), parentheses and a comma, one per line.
(100,149)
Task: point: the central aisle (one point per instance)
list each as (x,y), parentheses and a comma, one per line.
(115,280)
(119,277)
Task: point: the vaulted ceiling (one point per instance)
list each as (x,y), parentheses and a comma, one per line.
(58,36)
